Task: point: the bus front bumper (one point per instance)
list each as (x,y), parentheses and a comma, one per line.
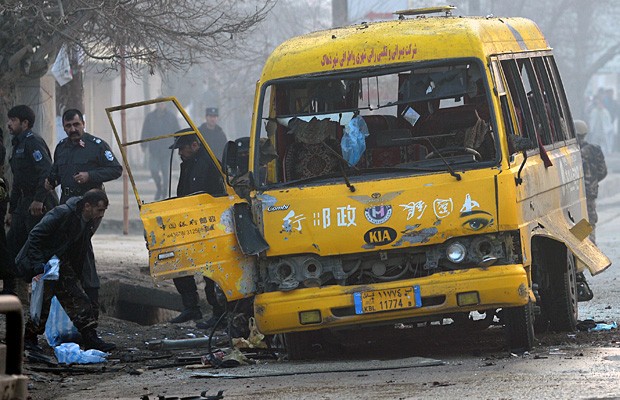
(441,293)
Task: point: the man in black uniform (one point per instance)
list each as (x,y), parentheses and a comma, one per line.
(82,162)
(65,232)
(213,133)
(198,173)
(30,164)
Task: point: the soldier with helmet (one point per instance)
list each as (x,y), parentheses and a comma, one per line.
(594,170)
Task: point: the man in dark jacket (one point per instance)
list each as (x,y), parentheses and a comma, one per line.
(198,174)
(213,133)
(65,232)
(82,162)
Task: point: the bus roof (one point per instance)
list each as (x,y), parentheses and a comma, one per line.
(401,41)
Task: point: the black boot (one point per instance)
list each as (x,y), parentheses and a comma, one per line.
(90,340)
(191,310)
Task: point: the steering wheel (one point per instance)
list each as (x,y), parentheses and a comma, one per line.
(454,150)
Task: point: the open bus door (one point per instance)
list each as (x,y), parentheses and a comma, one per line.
(194,234)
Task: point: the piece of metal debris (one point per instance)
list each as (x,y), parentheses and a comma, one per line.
(203,396)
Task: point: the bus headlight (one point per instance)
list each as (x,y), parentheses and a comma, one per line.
(456,252)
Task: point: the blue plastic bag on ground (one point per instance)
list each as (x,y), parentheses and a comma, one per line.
(353,142)
(601,326)
(59,327)
(36,297)
(70,353)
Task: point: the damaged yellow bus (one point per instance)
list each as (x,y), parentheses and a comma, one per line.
(415,170)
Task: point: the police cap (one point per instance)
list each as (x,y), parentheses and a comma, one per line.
(185,140)
(212,111)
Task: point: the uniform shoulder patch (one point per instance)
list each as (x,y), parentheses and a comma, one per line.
(37,155)
(109,155)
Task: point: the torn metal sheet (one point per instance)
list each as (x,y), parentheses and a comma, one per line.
(554,225)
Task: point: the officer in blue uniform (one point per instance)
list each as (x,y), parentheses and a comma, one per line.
(30,163)
(82,162)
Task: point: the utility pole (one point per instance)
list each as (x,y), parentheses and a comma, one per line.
(124,140)
(340,13)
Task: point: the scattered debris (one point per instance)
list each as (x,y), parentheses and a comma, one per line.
(589,325)
(203,396)
(192,343)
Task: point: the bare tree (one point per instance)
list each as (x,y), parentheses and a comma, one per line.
(158,34)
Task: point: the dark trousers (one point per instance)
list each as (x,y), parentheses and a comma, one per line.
(73,299)
(93,297)
(186,286)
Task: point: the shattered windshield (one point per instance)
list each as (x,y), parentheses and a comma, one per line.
(418,119)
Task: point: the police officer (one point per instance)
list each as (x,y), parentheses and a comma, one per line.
(82,162)
(594,170)
(213,133)
(30,164)
(198,173)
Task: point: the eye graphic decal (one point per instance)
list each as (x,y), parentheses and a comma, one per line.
(478,220)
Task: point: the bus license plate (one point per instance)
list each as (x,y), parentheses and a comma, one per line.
(387,300)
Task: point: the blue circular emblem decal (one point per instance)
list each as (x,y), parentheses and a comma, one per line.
(378,214)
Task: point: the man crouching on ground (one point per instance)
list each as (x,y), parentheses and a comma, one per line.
(65,232)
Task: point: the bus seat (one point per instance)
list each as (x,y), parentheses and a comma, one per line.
(306,160)
(445,120)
